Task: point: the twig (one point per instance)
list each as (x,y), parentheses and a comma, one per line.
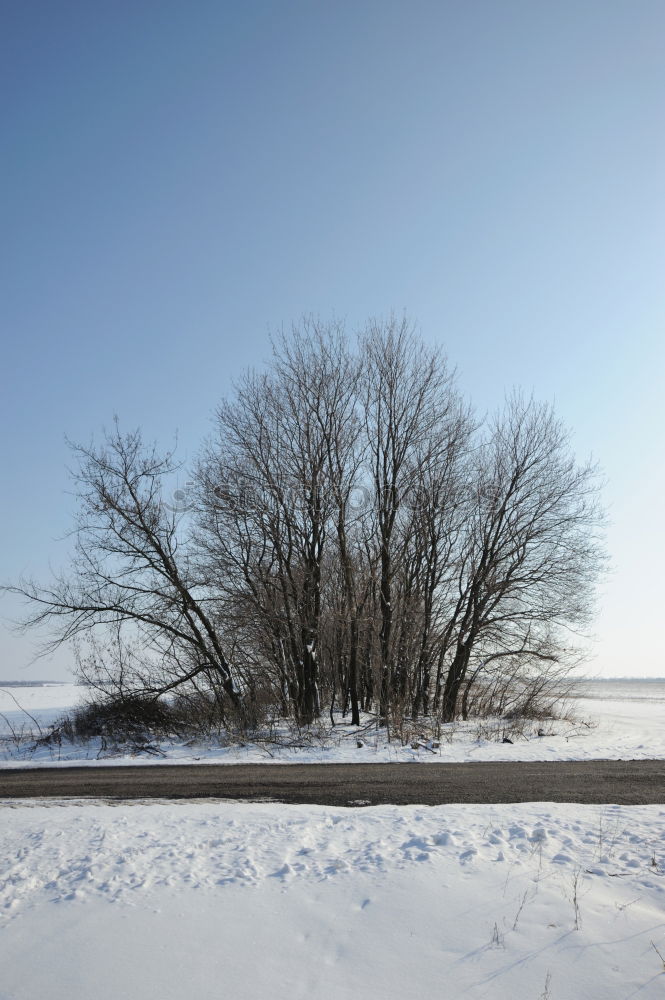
(21,709)
(659,955)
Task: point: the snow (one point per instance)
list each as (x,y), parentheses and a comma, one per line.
(221,899)
(163,900)
(612,721)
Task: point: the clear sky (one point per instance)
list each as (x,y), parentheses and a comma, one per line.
(178,179)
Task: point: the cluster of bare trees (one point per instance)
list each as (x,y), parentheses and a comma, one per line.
(357,538)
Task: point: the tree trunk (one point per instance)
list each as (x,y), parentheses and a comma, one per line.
(454,681)
(384,637)
(353,674)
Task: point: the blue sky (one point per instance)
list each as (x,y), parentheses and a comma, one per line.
(179,179)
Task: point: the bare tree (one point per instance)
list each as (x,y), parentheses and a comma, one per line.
(439,512)
(287,441)
(408,399)
(531,550)
(131,568)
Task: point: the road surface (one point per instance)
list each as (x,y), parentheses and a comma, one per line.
(601,781)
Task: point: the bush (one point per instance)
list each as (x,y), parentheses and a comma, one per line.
(140,719)
(516,695)
(130,719)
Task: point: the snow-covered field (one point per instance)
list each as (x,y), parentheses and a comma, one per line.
(24,708)
(612,720)
(218,899)
(206,900)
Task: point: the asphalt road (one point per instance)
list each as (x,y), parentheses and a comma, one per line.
(602,781)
